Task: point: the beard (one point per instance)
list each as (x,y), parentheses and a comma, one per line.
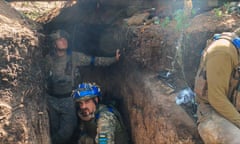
(85,112)
(85,115)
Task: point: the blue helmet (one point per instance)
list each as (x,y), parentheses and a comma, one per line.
(86,91)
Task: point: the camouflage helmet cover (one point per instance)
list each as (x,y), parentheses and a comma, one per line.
(86,91)
(59,34)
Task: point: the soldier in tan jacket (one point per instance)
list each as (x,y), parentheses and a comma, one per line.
(60,69)
(216,86)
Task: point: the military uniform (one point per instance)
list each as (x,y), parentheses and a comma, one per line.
(61,73)
(218,117)
(105,128)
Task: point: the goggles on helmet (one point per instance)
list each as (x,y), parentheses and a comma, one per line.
(86,91)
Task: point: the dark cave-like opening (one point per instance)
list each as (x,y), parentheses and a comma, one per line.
(99,40)
(124,81)
(150,114)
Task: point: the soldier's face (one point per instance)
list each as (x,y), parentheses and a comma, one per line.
(87,107)
(61,44)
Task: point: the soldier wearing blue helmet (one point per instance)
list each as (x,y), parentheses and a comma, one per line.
(99,123)
(61,70)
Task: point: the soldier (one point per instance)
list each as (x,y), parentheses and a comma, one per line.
(217,87)
(61,65)
(99,123)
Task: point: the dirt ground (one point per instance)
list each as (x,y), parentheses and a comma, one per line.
(21,80)
(148,107)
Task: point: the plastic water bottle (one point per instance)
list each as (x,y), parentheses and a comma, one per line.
(185,96)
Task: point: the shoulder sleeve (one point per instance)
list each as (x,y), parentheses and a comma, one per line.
(104,61)
(82,59)
(106,127)
(219,66)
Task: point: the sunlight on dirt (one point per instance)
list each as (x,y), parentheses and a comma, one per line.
(35,9)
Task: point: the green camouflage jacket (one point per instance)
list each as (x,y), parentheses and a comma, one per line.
(106,128)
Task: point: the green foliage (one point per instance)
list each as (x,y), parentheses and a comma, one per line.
(226,7)
(194,11)
(35,9)
(218,12)
(165,22)
(181,19)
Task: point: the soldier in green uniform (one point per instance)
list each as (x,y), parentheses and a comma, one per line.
(217,88)
(61,65)
(99,124)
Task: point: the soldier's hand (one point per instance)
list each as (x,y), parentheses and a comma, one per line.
(117,54)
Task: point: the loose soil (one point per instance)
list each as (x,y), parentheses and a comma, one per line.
(147,102)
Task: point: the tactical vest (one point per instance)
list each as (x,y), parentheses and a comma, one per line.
(201,79)
(67,71)
(90,127)
(113,110)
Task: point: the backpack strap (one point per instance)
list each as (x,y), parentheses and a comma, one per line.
(68,69)
(113,110)
(69,66)
(201,73)
(228,36)
(234,88)
(235,78)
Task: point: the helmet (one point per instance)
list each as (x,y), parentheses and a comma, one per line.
(59,34)
(86,91)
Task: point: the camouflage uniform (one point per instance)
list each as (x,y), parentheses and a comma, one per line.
(105,128)
(61,73)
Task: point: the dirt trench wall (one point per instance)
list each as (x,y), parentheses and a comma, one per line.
(151,115)
(23,116)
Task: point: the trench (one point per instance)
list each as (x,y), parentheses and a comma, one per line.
(147,105)
(118,80)
(146,102)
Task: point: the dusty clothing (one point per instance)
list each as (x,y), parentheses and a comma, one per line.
(61,72)
(105,128)
(214,129)
(212,86)
(63,119)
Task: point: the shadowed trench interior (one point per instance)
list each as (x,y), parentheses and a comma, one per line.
(149,117)
(101,40)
